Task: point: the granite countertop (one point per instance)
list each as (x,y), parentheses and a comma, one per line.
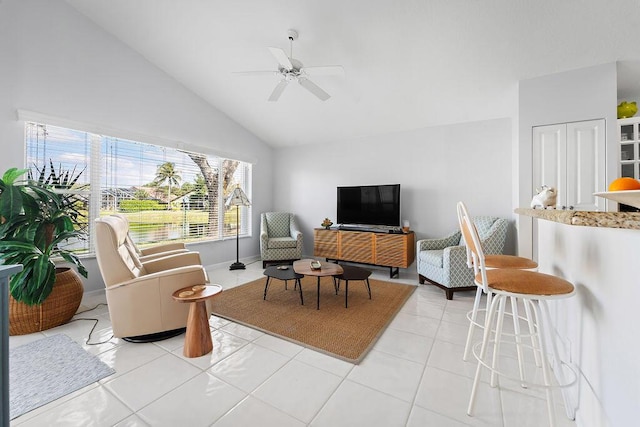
(629,220)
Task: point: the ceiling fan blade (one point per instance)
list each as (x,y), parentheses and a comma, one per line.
(281,57)
(277,91)
(328,70)
(314,89)
(255,73)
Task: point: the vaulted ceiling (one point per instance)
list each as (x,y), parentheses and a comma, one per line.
(408,64)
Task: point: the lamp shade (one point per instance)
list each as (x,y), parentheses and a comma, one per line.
(237,198)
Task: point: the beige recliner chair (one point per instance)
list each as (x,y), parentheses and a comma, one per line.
(139,294)
(153,252)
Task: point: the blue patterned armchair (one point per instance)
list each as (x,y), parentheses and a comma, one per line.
(280,238)
(443,262)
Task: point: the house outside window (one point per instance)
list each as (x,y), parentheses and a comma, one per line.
(166,193)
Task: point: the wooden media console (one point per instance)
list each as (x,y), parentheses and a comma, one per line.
(365,247)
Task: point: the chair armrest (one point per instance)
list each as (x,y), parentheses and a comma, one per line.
(430,244)
(182,277)
(151,257)
(162,248)
(172,261)
(454,256)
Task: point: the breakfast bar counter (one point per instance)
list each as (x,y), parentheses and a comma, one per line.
(599,253)
(630,220)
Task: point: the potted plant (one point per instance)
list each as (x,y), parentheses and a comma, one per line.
(34,221)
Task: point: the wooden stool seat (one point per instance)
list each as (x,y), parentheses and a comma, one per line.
(509,261)
(525,282)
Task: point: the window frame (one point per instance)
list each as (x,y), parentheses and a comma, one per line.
(94,145)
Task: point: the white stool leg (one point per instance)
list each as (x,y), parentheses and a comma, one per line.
(474,317)
(558,371)
(516,331)
(497,342)
(491,312)
(532,334)
(546,374)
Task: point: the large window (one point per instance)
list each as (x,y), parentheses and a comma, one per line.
(167,194)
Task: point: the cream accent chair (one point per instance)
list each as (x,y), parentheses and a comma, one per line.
(139,294)
(280,238)
(152,252)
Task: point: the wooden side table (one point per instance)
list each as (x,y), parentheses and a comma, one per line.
(197,341)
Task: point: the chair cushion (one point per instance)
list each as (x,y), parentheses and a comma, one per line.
(526,282)
(433,257)
(278,224)
(281,243)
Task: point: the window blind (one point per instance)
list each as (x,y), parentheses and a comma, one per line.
(167,194)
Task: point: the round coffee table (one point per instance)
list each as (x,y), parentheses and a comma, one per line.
(197,341)
(303,266)
(284,274)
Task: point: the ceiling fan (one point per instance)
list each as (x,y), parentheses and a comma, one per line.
(290,69)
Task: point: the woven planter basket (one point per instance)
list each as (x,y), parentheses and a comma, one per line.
(57,309)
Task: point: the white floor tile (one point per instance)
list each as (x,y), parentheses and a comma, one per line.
(129,356)
(132,421)
(405,345)
(327,363)
(448,357)
(448,394)
(356,405)
(419,325)
(421,417)
(224,344)
(198,402)
(298,389)
(279,345)
(249,367)
(388,374)
(145,384)
(242,331)
(253,412)
(526,411)
(452,332)
(96,407)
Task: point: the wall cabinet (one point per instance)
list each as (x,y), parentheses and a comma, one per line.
(571,158)
(629,145)
(388,250)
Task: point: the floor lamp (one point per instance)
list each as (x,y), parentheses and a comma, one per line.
(237,199)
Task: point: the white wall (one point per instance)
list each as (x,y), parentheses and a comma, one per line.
(584,94)
(436,167)
(598,326)
(56,62)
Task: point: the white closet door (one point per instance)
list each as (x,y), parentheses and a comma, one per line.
(586,165)
(549,159)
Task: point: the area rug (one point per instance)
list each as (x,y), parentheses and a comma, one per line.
(346,333)
(47,369)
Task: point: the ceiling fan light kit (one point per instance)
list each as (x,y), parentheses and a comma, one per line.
(291,69)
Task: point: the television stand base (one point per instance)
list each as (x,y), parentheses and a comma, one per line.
(381,248)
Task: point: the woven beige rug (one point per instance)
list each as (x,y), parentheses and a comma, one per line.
(346,333)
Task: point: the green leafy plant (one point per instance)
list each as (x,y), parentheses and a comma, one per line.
(34,222)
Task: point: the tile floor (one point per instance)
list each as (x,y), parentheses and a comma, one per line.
(414,376)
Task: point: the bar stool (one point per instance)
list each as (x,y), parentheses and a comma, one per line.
(492,262)
(533,289)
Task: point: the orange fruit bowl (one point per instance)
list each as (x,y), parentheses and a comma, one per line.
(624,183)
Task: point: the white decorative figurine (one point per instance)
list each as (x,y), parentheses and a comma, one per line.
(546,197)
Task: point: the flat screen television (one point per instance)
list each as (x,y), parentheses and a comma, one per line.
(369,205)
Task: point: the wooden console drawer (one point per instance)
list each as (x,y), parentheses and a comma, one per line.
(325,243)
(356,246)
(394,250)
